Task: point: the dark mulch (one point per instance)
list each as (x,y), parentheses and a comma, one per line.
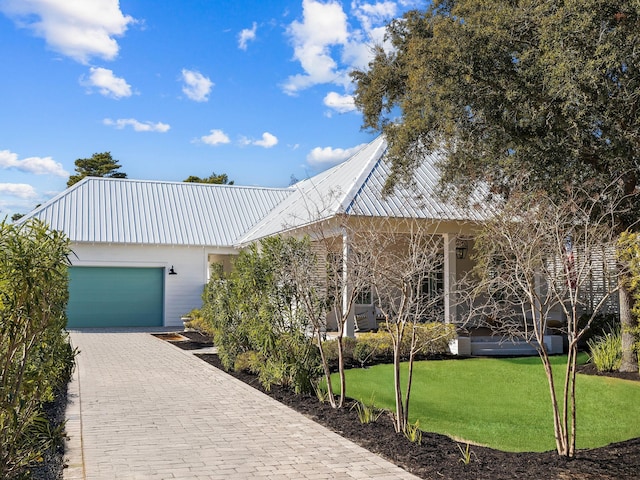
(52,465)
(438,457)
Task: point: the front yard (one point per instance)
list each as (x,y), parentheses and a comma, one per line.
(504,403)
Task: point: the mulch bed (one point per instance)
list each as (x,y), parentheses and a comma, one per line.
(438,457)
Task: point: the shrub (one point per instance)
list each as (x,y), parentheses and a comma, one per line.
(434,337)
(248,362)
(199,323)
(606,351)
(252,309)
(36,355)
(367,412)
(330,348)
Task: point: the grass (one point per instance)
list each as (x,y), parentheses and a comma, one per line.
(504,403)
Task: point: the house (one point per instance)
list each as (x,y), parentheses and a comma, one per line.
(142,249)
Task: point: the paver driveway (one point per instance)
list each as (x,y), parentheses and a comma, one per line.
(144,409)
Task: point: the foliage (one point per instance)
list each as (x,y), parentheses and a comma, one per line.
(432,339)
(198,322)
(629,253)
(214,178)
(367,412)
(536,258)
(540,90)
(36,356)
(99,165)
(536,95)
(503,402)
(330,348)
(413,433)
(465,454)
(253,309)
(606,351)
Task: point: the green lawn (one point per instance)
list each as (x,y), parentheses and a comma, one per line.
(504,403)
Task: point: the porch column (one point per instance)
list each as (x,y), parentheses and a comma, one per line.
(449,241)
(347,287)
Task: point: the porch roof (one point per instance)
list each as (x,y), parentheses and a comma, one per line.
(354,187)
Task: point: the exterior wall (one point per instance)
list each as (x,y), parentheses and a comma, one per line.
(182,292)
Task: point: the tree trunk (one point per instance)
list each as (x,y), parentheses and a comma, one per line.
(343,381)
(629,357)
(399,424)
(326,370)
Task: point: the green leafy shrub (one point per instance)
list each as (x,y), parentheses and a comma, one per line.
(606,351)
(36,356)
(413,433)
(248,362)
(330,348)
(367,412)
(198,322)
(252,309)
(433,338)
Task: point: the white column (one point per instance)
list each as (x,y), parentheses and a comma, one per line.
(350,324)
(449,277)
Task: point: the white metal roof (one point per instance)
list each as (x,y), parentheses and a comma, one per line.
(104,210)
(355,188)
(158,213)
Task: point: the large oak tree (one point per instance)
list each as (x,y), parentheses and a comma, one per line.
(539,93)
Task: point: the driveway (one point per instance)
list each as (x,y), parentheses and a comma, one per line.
(144,409)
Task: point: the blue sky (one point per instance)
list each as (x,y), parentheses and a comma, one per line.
(255,89)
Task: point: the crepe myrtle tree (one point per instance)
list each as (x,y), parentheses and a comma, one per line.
(406,274)
(545,91)
(342,280)
(537,259)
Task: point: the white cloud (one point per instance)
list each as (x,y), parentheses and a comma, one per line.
(268,140)
(20,190)
(323,26)
(371,14)
(215,137)
(340,103)
(247,35)
(35,165)
(196,86)
(107,83)
(327,156)
(77,29)
(328,44)
(137,126)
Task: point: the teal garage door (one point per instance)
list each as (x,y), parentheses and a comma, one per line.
(115,297)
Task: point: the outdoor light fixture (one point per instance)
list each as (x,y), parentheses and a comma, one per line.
(461,248)
(172,271)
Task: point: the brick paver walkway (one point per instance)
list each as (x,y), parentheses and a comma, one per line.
(144,409)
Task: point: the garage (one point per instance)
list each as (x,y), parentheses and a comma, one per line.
(115,297)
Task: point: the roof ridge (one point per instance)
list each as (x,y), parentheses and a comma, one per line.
(176,182)
(367,170)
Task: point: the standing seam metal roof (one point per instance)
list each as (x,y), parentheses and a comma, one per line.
(127,211)
(355,188)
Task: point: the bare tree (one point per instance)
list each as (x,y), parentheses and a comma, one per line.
(537,262)
(331,285)
(405,265)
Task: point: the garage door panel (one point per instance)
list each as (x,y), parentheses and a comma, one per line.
(115,297)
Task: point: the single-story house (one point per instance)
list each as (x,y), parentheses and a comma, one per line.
(142,249)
